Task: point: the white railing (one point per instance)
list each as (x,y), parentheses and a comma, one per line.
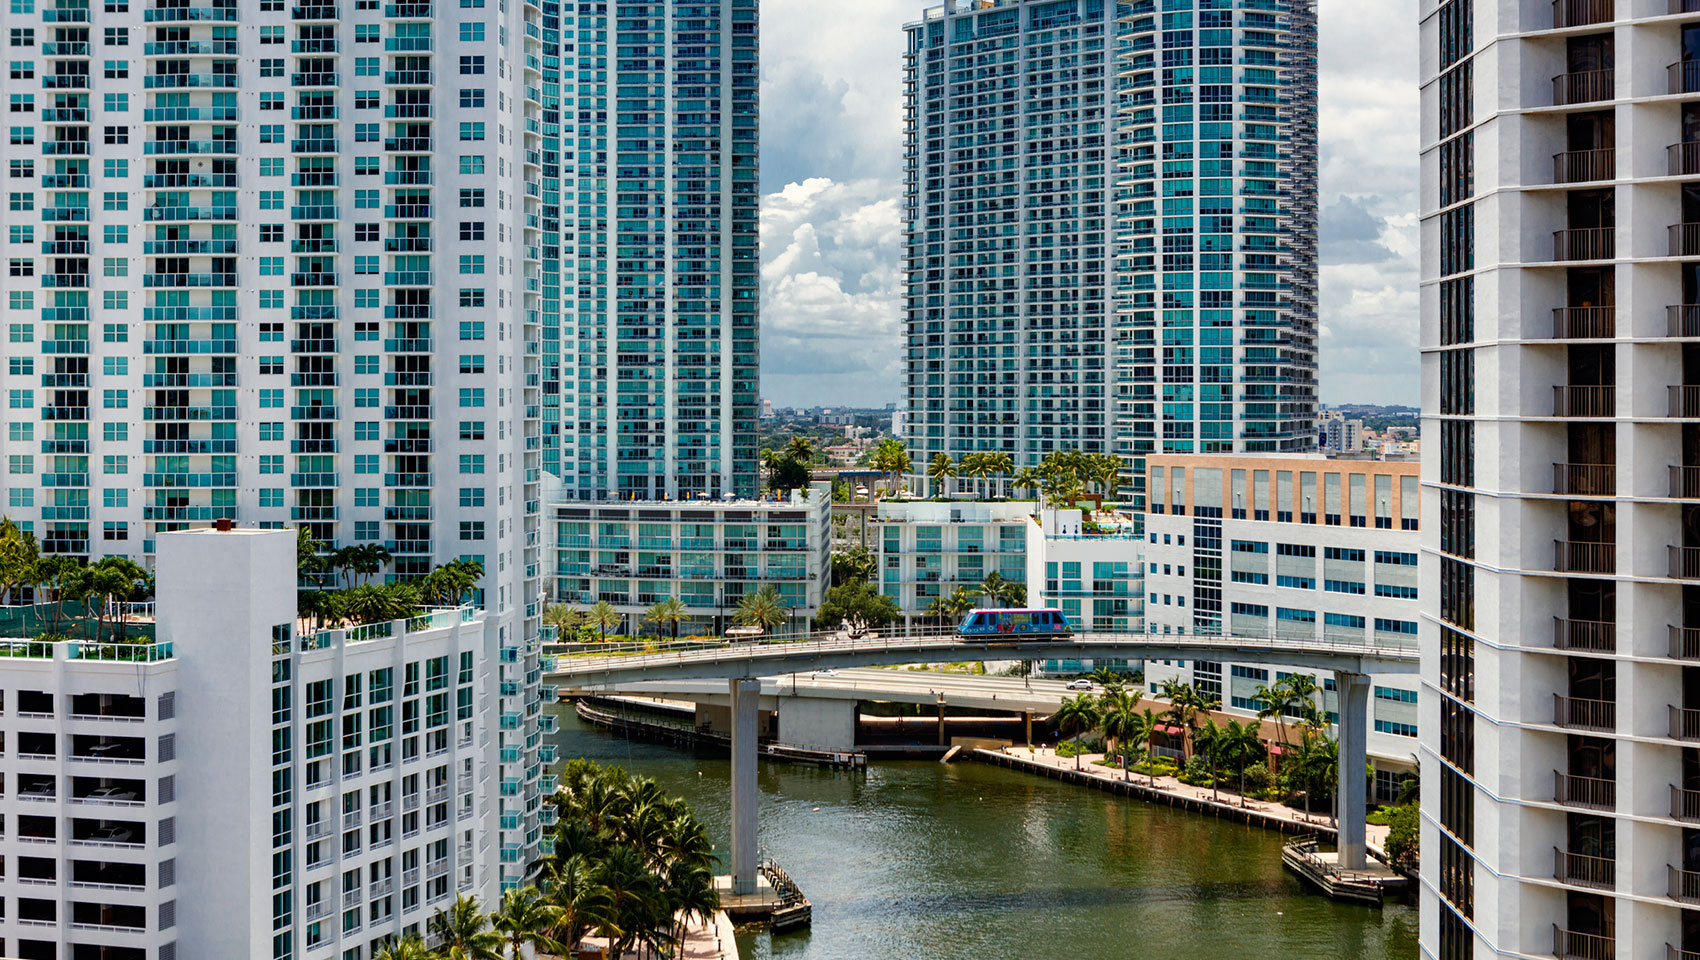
(946,642)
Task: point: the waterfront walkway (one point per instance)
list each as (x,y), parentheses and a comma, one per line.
(703,941)
(1261,813)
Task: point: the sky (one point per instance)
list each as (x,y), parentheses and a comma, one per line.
(831,180)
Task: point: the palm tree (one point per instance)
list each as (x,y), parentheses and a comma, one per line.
(1079,715)
(409,947)
(770,463)
(603,617)
(308,550)
(526,919)
(1142,731)
(1119,710)
(953,606)
(316,606)
(1027,479)
(563,618)
(800,450)
(1272,703)
(999,464)
(572,888)
(940,470)
(891,458)
(1238,743)
(762,608)
(19,556)
(669,611)
(632,890)
(1208,738)
(1000,591)
(464,931)
(1302,693)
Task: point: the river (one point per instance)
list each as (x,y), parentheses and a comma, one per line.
(924,861)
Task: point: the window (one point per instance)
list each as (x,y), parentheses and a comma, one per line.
(472,196)
(1395,558)
(1396,728)
(472,296)
(472,496)
(472,329)
(472,396)
(115,464)
(117,36)
(117,69)
(471,230)
(471,98)
(1395,592)
(468,65)
(365,99)
(271,463)
(471,33)
(472,164)
(471,263)
(117,135)
(472,429)
(271,496)
(1396,695)
(1343,586)
(472,463)
(472,530)
(1395,626)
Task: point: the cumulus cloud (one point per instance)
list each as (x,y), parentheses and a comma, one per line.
(831,293)
(831,175)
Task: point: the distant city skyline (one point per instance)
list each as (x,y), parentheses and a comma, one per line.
(831,184)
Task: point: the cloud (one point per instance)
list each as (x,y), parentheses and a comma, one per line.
(832,299)
(831,176)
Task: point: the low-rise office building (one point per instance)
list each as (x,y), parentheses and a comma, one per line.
(1298,547)
(706,553)
(232,787)
(928,548)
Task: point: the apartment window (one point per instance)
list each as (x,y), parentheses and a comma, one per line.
(471,230)
(468,65)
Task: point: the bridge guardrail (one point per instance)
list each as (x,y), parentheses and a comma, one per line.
(777,649)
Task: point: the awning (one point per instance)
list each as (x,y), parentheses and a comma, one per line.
(1276,749)
(1172,730)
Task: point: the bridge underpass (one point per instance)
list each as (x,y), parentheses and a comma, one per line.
(742,666)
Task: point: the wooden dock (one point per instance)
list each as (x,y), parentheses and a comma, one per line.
(777,900)
(1321,869)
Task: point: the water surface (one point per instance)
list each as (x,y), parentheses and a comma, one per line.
(924,861)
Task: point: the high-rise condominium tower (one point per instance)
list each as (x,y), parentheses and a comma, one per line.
(1009,109)
(659,207)
(1561,261)
(1216,333)
(1111,227)
(280,263)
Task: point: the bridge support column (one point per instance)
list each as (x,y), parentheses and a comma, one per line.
(746,695)
(942,740)
(1353,695)
(1027,725)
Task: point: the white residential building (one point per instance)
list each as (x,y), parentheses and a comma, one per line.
(1089,568)
(706,553)
(1560,220)
(281,264)
(1301,547)
(229,787)
(928,548)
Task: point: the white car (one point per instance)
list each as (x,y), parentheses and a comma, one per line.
(38,789)
(1082,684)
(110,834)
(111,793)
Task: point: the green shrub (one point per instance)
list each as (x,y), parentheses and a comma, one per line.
(1402,837)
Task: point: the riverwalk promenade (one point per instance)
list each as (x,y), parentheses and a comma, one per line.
(711,940)
(1228,804)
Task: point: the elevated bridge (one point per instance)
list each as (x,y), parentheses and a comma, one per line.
(605,668)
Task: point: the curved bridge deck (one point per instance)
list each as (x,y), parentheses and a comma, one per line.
(605,666)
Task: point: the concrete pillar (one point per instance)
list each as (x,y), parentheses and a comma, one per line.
(1353,698)
(941,721)
(1027,725)
(746,695)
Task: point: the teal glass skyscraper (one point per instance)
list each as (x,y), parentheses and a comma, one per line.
(1111,228)
(658,346)
(1009,177)
(1217,281)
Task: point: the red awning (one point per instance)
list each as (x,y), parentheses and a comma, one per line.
(1172,730)
(1277,749)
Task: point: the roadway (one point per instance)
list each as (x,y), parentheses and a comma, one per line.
(969,691)
(601,668)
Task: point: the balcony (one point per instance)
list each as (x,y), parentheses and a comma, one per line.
(1584,870)
(1585,479)
(1685,482)
(1584,243)
(1683,320)
(1683,885)
(1580,13)
(1684,76)
(1685,804)
(1684,723)
(1584,323)
(1584,166)
(1583,556)
(1685,643)
(1590,792)
(1584,401)
(1573,945)
(1578,714)
(1598,636)
(1583,86)
(1685,563)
